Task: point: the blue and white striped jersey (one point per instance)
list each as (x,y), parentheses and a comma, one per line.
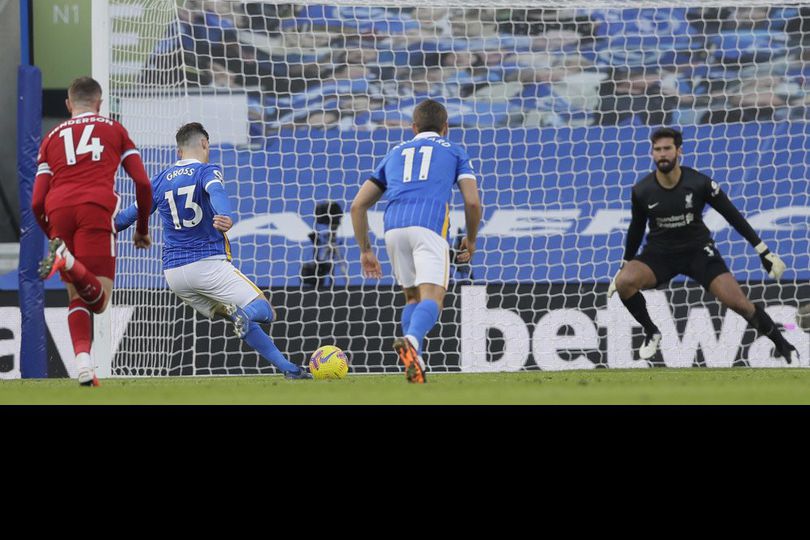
(418,178)
(180,194)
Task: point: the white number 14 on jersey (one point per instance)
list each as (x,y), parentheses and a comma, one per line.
(94,147)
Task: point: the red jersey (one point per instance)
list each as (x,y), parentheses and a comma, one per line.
(82,156)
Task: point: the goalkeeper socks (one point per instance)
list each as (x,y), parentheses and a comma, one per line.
(87,286)
(763,323)
(407,312)
(80,325)
(263,344)
(423,318)
(637,306)
(259,310)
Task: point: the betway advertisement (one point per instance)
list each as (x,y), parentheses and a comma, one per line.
(556,208)
(483,328)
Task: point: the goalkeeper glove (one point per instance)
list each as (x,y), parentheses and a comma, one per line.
(612,288)
(771,261)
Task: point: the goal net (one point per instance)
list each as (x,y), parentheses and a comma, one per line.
(554,102)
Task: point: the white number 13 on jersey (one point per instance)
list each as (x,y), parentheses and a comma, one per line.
(188,191)
(407,174)
(95,148)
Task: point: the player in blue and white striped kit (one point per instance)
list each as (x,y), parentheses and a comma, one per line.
(418,176)
(196,215)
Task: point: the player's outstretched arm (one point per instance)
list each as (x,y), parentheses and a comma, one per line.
(125,218)
(720,202)
(367,197)
(133,165)
(472,218)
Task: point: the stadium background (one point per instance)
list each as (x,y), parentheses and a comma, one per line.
(733,78)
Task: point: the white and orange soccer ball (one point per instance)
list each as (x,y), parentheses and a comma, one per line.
(328,362)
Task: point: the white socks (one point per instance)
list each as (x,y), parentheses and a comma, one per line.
(83,362)
(416,346)
(65,253)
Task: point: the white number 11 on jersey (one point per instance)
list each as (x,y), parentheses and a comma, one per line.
(407,174)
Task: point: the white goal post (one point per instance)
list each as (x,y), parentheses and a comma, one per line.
(102,351)
(553,100)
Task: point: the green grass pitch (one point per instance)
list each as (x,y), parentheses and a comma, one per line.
(659,386)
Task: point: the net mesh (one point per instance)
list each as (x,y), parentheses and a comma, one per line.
(554,102)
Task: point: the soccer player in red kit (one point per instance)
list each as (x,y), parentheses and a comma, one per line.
(75,203)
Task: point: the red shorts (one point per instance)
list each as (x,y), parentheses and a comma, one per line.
(87,229)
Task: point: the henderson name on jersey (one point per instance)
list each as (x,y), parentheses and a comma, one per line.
(82,156)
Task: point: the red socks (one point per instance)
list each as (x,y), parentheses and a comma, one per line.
(87,285)
(80,325)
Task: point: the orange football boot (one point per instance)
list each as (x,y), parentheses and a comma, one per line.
(407,354)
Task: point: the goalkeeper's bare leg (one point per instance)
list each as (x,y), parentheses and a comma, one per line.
(728,291)
(633,278)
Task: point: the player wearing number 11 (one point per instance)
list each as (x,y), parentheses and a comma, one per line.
(418,177)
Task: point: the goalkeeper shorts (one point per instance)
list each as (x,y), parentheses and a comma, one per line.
(702,265)
(418,255)
(209,283)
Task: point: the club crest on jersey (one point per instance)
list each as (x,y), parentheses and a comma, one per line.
(688,200)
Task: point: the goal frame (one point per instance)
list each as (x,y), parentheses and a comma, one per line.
(102,351)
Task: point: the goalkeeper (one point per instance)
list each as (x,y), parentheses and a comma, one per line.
(196,214)
(672,199)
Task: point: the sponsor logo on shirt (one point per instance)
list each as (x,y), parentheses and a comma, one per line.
(674,222)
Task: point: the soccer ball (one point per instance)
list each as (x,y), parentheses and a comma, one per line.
(803,316)
(328,362)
